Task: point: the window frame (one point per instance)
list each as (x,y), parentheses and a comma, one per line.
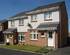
(32,35)
(21,37)
(49,14)
(34,18)
(21,22)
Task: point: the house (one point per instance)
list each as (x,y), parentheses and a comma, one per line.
(3,26)
(43,26)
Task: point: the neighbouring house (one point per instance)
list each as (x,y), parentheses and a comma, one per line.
(3,26)
(43,26)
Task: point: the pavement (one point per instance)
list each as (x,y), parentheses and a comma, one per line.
(61,51)
(14,52)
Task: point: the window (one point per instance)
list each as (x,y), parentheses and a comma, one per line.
(34,35)
(21,22)
(34,18)
(50,34)
(21,37)
(12,23)
(42,33)
(48,15)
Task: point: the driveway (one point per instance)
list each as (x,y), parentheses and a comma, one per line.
(61,51)
(13,52)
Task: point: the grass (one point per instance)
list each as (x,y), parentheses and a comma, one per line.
(27,48)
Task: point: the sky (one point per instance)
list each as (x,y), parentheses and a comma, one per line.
(9,8)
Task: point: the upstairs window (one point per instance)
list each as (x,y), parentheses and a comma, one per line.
(21,22)
(12,23)
(48,16)
(34,18)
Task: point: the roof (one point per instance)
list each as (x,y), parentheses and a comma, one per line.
(19,14)
(38,8)
(4,20)
(10,30)
(48,26)
(45,8)
(49,5)
(17,18)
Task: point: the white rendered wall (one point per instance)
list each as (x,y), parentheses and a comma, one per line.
(40,19)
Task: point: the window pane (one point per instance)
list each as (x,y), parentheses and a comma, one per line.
(21,21)
(34,36)
(21,36)
(33,17)
(48,15)
(50,34)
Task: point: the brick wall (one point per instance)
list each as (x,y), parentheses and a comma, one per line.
(42,41)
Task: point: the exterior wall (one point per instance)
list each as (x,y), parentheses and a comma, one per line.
(63,26)
(62,29)
(19,28)
(42,41)
(40,19)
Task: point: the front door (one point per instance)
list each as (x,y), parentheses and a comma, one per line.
(51,38)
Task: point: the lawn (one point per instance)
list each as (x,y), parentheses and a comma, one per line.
(28,48)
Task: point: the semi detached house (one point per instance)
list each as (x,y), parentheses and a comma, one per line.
(43,26)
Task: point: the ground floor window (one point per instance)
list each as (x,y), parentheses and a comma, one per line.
(34,35)
(21,36)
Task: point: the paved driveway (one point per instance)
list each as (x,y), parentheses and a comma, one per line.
(61,51)
(13,52)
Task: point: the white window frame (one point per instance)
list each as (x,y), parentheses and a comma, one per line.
(19,36)
(47,15)
(32,35)
(34,17)
(21,21)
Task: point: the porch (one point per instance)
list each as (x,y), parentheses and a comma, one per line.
(10,36)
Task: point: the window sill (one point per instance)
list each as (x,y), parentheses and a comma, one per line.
(21,40)
(42,36)
(21,25)
(33,21)
(34,39)
(47,19)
